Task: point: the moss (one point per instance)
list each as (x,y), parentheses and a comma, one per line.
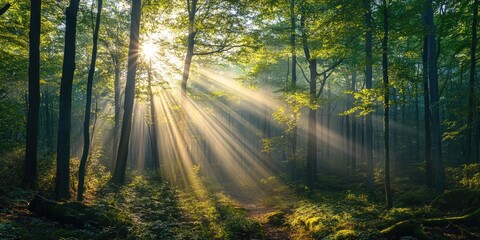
(404,228)
(346,234)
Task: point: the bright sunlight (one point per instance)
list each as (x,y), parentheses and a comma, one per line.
(239,120)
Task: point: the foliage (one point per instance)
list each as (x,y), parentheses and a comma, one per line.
(467,175)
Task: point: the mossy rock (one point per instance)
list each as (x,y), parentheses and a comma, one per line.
(458,200)
(276,219)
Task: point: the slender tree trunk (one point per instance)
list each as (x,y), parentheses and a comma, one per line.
(312,128)
(388,190)
(153,124)
(292,43)
(133,50)
(88,105)
(434,100)
(293,85)
(471,85)
(353,159)
(116,124)
(48,122)
(192,10)
(368,84)
(62,181)
(30,168)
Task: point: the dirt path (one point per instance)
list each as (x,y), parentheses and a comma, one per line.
(259,212)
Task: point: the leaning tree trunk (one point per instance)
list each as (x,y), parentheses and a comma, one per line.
(121,164)
(30,168)
(62,181)
(88,105)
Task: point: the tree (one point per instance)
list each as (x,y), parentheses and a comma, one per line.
(368,85)
(386,104)
(314,94)
(434,100)
(133,52)
(471,84)
(153,130)
(88,105)
(213,27)
(62,181)
(30,168)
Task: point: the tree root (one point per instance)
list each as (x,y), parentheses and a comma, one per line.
(415,228)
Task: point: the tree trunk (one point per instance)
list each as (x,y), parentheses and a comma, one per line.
(30,168)
(434,101)
(133,50)
(471,85)
(153,124)
(88,105)
(311,169)
(116,123)
(192,10)
(312,128)
(353,160)
(388,190)
(62,181)
(368,84)
(292,43)
(426,102)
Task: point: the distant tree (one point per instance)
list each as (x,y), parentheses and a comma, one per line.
(30,173)
(62,181)
(133,52)
(88,105)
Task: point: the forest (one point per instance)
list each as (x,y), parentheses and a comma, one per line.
(239,119)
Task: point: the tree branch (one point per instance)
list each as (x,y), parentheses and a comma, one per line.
(222,49)
(5,8)
(303,73)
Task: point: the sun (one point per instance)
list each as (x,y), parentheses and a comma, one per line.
(149,50)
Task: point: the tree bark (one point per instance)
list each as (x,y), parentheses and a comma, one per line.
(426,102)
(192,10)
(353,160)
(368,84)
(386,104)
(133,50)
(30,168)
(88,105)
(434,100)
(62,181)
(153,125)
(471,85)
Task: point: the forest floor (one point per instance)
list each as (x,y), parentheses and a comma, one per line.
(145,209)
